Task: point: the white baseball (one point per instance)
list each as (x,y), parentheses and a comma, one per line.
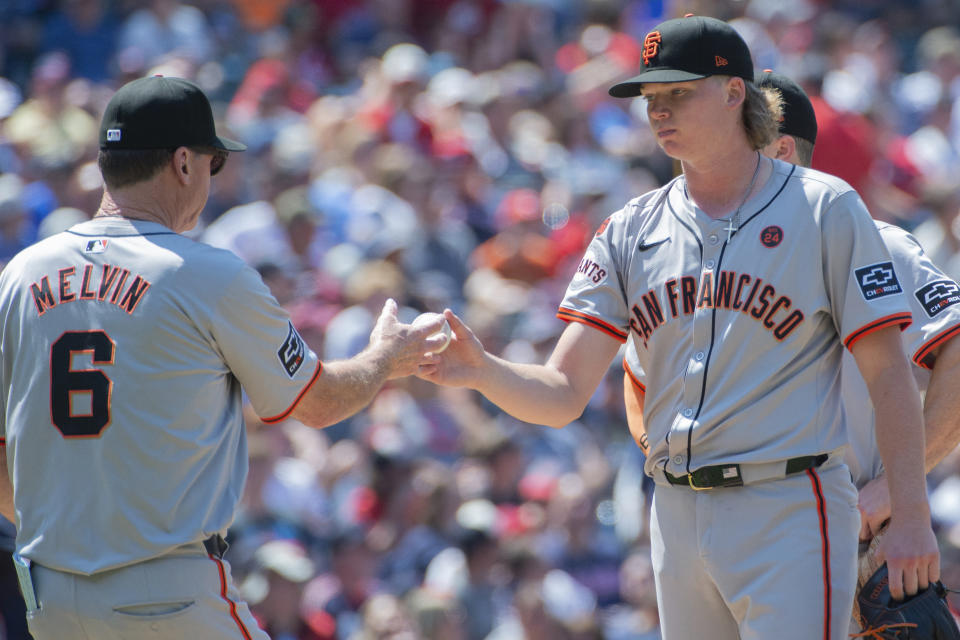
(445,331)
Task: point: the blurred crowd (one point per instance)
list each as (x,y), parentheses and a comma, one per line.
(456,153)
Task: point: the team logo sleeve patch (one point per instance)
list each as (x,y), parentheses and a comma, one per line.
(878,280)
(936,296)
(291,352)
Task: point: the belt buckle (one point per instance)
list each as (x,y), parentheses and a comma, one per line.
(693,486)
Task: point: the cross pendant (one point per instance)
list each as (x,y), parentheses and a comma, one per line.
(730,229)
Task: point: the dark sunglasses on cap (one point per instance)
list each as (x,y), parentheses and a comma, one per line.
(219,157)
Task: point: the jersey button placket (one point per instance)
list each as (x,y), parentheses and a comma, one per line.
(702,323)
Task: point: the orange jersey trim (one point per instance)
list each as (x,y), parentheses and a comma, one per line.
(924,355)
(296,401)
(633,378)
(569,315)
(230,603)
(902,319)
(825,539)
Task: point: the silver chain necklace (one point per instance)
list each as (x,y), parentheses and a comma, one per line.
(733,224)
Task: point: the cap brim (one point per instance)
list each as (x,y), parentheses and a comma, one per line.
(631,88)
(228,145)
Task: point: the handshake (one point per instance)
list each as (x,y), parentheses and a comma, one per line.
(421,347)
(443,336)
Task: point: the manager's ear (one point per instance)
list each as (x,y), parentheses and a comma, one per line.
(181,164)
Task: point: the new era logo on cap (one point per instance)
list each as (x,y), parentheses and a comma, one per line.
(113,135)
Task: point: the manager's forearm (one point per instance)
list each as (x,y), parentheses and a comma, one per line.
(343,388)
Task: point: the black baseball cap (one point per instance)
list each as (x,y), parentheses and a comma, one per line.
(799,119)
(689,48)
(158,112)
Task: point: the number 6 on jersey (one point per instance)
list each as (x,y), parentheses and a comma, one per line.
(68,385)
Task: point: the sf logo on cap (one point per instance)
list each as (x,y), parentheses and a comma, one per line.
(651,45)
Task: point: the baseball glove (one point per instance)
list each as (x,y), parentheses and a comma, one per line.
(868,561)
(924,616)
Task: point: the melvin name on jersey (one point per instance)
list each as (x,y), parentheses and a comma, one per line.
(106,284)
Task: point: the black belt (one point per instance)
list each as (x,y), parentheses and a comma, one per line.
(215,545)
(728,475)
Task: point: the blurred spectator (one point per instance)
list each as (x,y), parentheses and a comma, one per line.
(275,590)
(60,219)
(166,27)
(478,595)
(47,128)
(365,290)
(521,250)
(339,595)
(12,607)
(419,513)
(437,617)
(15,233)
(385,618)
(87,31)
(532,619)
(637,617)
(940,233)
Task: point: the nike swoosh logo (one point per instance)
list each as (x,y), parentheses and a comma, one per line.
(650,245)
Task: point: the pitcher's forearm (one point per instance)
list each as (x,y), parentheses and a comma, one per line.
(535,393)
(900,442)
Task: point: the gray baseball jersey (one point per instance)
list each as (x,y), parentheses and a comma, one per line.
(933,298)
(124,350)
(741,341)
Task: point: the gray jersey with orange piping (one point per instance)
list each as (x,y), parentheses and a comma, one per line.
(122,404)
(741,339)
(934,299)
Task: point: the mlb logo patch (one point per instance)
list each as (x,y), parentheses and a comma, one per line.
(937,296)
(292,351)
(878,280)
(95,246)
(113,135)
